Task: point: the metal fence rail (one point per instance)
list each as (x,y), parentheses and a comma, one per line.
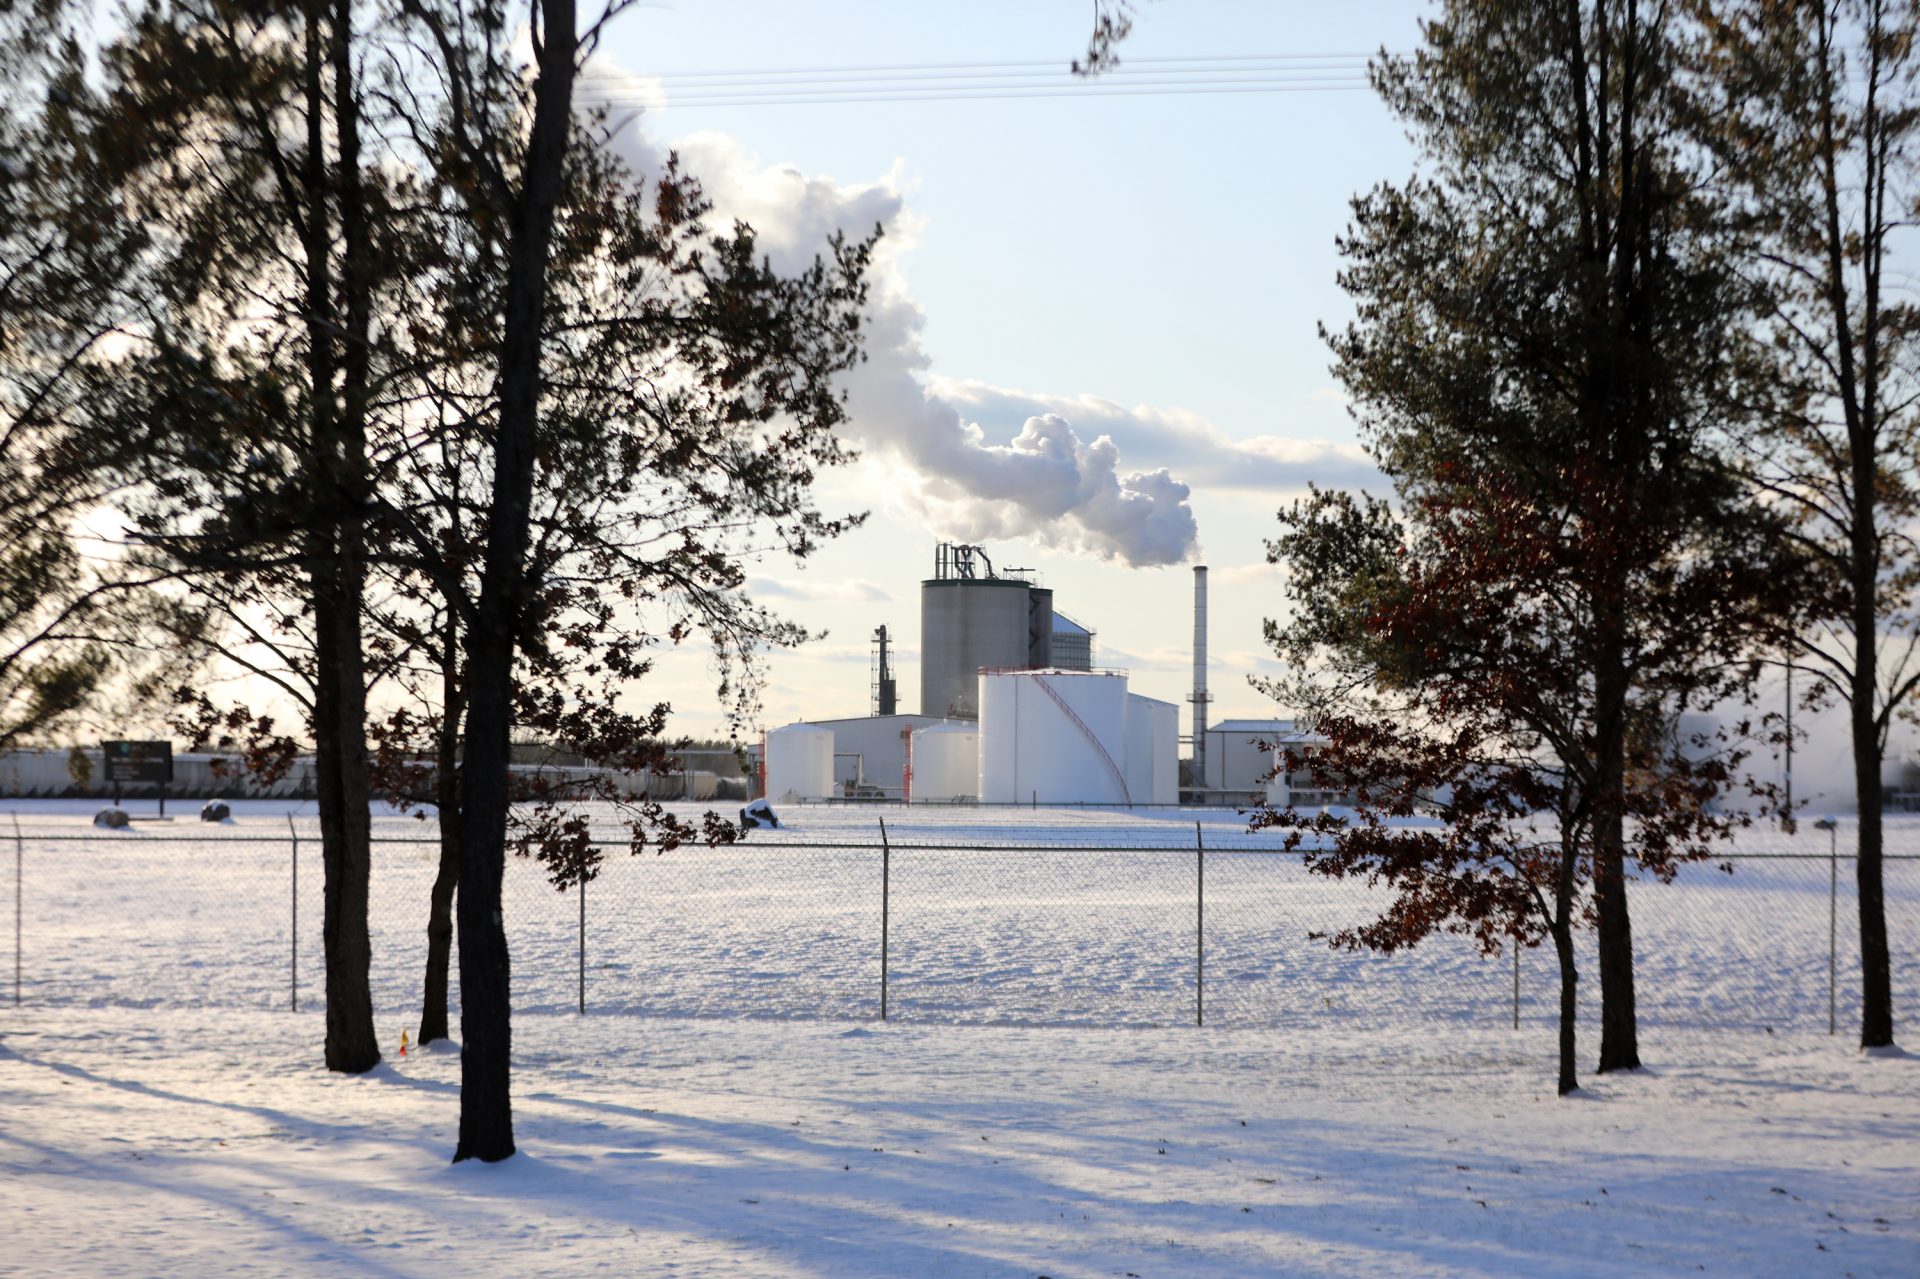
(990,931)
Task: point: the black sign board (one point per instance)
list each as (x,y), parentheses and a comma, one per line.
(150,762)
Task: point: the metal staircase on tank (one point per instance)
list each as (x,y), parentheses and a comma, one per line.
(1113,769)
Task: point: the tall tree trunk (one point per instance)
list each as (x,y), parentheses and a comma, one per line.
(1858,386)
(433,1004)
(1619,1029)
(1561,928)
(356,789)
(1569,1007)
(345,822)
(1876,969)
(486,1107)
(486,1104)
(335,567)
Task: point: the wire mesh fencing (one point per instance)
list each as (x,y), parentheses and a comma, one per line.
(923,928)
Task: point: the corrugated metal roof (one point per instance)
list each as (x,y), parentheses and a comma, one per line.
(1279,731)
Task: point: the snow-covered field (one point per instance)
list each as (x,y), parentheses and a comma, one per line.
(197,1142)
(161,1113)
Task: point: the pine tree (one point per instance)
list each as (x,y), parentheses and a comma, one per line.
(1541,316)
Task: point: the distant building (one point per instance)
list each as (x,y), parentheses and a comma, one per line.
(870,752)
(1240,753)
(1072,645)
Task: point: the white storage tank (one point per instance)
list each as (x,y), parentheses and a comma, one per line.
(945,763)
(799,763)
(1153,750)
(1279,790)
(1053,737)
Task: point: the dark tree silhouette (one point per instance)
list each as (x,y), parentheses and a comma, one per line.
(700,399)
(1812,111)
(1541,319)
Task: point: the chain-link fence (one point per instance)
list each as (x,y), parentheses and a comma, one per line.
(986,928)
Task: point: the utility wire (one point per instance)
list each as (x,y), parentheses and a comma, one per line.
(986,81)
(1349,69)
(642,100)
(1132,67)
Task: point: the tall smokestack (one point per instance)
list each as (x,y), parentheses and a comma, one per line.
(1199,697)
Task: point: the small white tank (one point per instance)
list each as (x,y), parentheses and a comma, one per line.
(1279,793)
(945,759)
(799,762)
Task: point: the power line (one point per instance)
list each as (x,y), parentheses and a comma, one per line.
(1203,74)
(1016,77)
(1131,67)
(964,81)
(641,100)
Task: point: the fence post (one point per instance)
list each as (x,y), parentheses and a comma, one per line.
(293,953)
(1199,928)
(1516,983)
(16,907)
(582,886)
(886,894)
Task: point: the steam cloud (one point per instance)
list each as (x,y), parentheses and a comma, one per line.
(1044,481)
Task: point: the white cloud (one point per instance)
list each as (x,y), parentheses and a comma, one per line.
(1175,437)
(856,591)
(1043,479)
(1258,574)
(972,460)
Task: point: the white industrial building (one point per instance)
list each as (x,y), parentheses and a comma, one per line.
(1153,750)
(870,753)
(1237,755)
(1043,737)
(1013,711)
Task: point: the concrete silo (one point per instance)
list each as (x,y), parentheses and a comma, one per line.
(974,619)
(944,760)
(1053,737)
(799,762)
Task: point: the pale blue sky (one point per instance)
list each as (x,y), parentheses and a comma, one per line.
(1170,254)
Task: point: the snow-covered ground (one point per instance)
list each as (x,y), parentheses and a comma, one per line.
(161,1113)
(199,1142)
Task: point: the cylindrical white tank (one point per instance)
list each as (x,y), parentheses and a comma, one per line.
(1279,791)
(1053,737)
(946,762)
(799,762)
(1153,750)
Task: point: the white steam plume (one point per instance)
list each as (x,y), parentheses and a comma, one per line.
(1045,482)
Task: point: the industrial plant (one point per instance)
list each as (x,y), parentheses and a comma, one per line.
(1014,710)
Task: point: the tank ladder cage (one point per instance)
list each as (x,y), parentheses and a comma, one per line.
(1112,768)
